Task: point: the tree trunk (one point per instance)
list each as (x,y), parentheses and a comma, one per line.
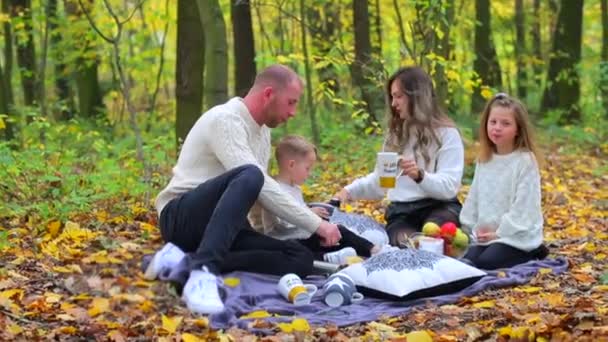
(216,52)
(363,69)
(189,68)
(322,21)
(563,84)
(604,63)
(90,101)
(443,50)
(520,49)
(8,128)
(8,56)
(62,85)
(244,47)
(26,53)
(537,68)
(486,64)
(376,17)
(310,105)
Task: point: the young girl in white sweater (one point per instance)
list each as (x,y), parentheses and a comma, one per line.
(503,207)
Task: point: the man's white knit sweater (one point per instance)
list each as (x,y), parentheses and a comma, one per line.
(505,196)
(441,178)
(223,138)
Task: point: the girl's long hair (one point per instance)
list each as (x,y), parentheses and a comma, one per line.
(425,114)
(524,140)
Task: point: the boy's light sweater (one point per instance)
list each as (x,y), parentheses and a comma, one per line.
(278,228)
(223,138)
(441,180)
(505,194)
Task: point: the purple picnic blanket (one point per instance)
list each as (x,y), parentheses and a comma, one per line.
(258,292)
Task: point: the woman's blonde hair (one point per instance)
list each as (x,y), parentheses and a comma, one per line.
(524,139)
(425,114)
(293,146)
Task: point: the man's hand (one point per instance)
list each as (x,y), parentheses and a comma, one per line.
(329,233)
(343,195)
(321,212)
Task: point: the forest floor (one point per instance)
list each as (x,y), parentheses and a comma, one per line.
(80,279)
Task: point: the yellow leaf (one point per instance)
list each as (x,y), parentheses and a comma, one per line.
(53,228)
(486,93)
(14,329)
(8,294)
(191,338)
(501,274)
(170,324)
(256,314)
(529,289)
(232,282)
(2,124)
(300,324)
(51,297)
(66,317)
(419,336)
(488,304)
(98,306)
(601,288)
(67,330)
(545,270)
(201,322)
(285,327)
(600,257)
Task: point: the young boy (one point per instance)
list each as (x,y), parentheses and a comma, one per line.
(296,157)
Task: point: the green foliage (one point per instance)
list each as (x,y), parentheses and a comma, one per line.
(80,167)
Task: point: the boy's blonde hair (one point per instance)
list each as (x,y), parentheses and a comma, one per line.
(293,146)
(525,133)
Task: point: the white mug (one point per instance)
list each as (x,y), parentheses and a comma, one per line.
(427,243)
(387,167)
(294,290)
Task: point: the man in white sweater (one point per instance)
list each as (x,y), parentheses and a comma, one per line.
(220,173)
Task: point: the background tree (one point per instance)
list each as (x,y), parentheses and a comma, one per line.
(90,100)
(486,63)
(604,62)
(309,99)
(21,13)
(520,49)
(363,69)
(563,83)
(216,52)
(189,68)
(244,46)
(62,83)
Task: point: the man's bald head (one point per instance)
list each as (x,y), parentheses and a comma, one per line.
(277,76)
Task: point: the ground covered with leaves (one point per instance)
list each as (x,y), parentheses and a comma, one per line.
(77,276)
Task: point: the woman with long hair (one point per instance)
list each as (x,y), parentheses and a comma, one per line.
(431,159)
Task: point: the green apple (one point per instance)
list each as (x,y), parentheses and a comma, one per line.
(461,240)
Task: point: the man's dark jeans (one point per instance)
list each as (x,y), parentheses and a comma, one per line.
(210,224)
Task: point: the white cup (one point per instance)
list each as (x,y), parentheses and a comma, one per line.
(294,290)
(387,167)
(431,244)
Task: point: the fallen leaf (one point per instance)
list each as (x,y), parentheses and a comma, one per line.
(488,304)
(419,336)
(170,324)
(99,306)
(256,314)
(186,337)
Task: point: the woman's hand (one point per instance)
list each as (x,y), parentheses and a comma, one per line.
(342,195)
(321,212)
(411,169)
(486,235)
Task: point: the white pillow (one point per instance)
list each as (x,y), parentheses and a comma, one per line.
(364,226)
(409,274)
